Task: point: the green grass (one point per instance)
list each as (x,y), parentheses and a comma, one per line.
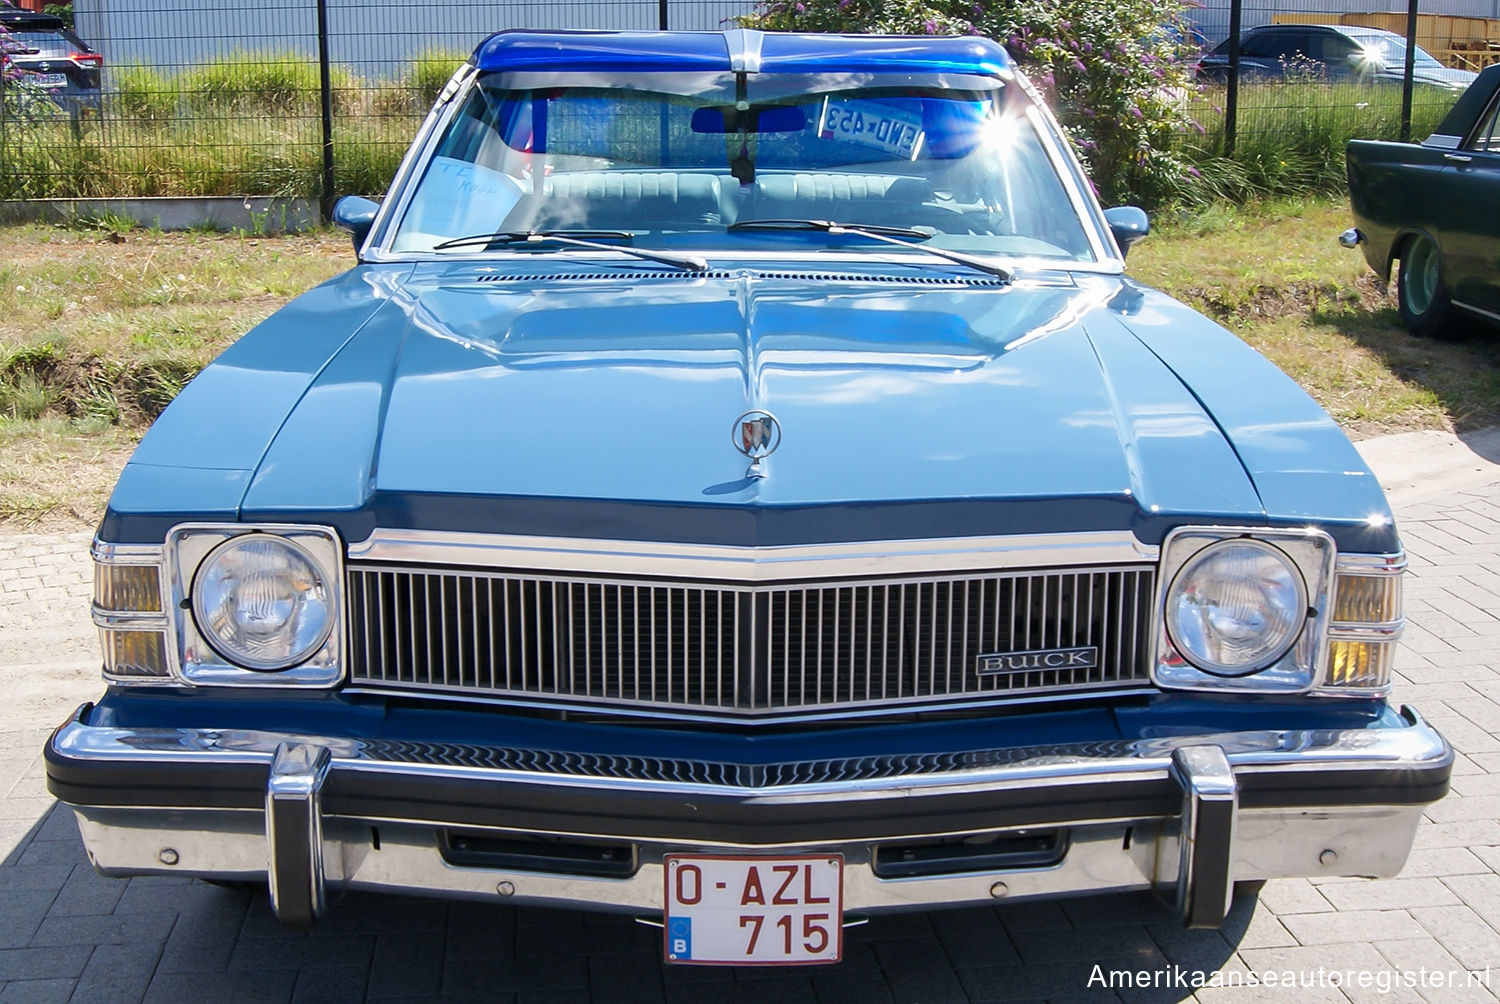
(1275,275)
(1290,136)
(102,325)
(57,471)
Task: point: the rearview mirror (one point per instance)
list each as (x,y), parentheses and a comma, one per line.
(766,118)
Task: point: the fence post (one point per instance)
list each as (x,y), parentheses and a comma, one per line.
(325,202)
(1407,74)
(1232,96)
(661,14)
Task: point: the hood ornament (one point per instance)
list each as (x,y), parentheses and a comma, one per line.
(756,434)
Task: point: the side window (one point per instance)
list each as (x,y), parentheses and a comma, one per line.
(1487,138)
(1261,47)
(1293,46)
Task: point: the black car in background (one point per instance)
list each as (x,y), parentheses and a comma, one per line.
(52,58)
(1336,53)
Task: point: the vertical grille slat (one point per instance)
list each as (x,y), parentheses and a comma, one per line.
(750,649)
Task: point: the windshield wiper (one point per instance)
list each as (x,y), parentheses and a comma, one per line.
(888,235)
(576,239)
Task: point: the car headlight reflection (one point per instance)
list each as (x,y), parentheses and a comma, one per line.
(262,602)
(1236,607)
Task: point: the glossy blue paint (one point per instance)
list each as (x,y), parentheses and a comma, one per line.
(602,407)
(654,51)
(197,460)
(883,393)
(1303,465)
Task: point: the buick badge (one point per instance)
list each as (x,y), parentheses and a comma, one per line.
(756,434)
(1038,660)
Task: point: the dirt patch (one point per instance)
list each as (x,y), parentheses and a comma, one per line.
(53,245)
(1267,302)
(60,480)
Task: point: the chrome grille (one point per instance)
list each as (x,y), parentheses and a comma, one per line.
(743,649)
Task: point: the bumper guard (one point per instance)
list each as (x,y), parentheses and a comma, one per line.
(1187,816)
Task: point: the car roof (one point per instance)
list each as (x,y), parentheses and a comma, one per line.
(28,20)
(1349,30)
(737,49)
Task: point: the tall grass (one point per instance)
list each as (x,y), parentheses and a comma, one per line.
(249,124)
(1290,136)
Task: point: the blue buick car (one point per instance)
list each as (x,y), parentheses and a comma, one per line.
(738,486)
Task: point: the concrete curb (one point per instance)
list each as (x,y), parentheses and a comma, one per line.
(259,214)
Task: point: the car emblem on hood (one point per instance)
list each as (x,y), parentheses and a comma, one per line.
(756,434)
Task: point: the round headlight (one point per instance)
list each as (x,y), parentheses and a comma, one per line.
(1236,607)
(261,602)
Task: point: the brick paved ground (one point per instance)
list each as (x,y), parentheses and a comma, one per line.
(66,934)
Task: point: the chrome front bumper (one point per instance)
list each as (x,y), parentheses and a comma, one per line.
(1187,816)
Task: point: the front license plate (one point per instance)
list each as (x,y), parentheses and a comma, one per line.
(754,911)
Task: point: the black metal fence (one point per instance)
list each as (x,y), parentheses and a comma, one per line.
(320,97)
(1311,66)
(271,97)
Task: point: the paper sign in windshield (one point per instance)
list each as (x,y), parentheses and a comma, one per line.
(458,197)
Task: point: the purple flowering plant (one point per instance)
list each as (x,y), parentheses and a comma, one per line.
(1117,73)
(20,99)
(10,73)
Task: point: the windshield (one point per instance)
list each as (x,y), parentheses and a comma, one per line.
(675,160)
(42,41)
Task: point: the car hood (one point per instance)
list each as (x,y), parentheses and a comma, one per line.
(910,404)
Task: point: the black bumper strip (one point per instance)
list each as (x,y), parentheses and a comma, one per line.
(758,817)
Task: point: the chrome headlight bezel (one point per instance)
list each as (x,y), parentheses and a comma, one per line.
(1309,552)
(203,663)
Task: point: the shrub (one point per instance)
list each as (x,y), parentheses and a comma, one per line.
(1117,72)
(61,10)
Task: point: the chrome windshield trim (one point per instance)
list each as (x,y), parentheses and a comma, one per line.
(1254,752)
(1070,174)
(414,162)
(882,558)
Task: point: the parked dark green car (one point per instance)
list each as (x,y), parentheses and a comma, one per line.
(1435,206)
